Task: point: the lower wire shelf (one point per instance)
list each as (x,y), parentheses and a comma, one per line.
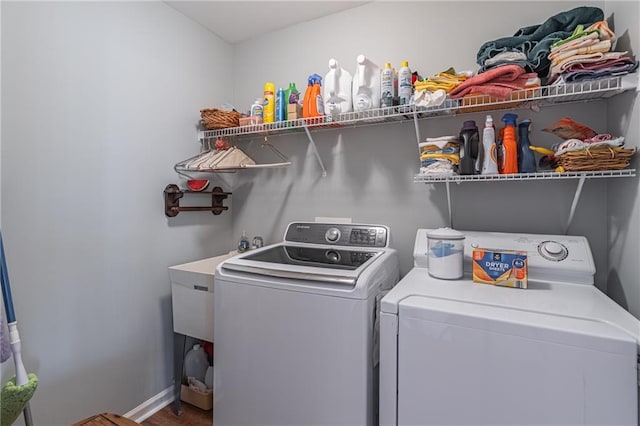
(434,178)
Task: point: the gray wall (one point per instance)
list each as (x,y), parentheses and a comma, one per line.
(622,196)
(370,170)
(99,101)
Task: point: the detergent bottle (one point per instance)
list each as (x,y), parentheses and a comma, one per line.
(291,94)
(387,87)
(281,105)
(307,96)
(469,140)
(269,103)
(509,145)
(314,106)
(489,157)
(366,85)
(337,89)
(196,363)
(405,85)
(527,161)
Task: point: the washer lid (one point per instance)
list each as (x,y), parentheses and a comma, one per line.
(445,234)
(331,264)
(589,333)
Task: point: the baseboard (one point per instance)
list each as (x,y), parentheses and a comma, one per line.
(151,406)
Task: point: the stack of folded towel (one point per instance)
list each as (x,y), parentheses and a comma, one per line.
(530,46)
(497,82)
(440,155)
(433,90)
(587,55)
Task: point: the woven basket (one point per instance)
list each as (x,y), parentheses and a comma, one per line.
(214,118)
(595,159)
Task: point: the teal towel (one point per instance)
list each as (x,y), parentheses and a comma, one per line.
(535,41)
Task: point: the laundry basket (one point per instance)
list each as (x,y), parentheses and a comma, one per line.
(214,118)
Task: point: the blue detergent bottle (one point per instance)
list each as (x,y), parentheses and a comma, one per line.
(526,158)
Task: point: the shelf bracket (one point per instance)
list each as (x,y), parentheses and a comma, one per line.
(415,123)
(574,204)
(172,195)
(315,150)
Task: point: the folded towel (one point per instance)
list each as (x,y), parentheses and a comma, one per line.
(601,46)
(498,82)
(563,65)
(586,40)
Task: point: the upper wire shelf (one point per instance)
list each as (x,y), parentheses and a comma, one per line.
(564,93)
(425,178)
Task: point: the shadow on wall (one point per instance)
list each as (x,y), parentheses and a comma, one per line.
(615,290)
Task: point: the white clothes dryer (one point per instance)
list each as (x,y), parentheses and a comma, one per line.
(463,353)
(294,327)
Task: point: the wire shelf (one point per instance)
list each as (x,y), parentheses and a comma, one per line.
(564,93)
(424,178)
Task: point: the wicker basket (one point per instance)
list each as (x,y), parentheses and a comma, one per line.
(214,118)
(596,159)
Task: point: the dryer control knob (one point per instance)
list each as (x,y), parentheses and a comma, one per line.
(552,250)
(332,235)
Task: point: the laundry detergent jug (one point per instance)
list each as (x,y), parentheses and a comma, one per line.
(366,85)
(337,90)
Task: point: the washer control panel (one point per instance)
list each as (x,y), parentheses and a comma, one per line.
(354,235)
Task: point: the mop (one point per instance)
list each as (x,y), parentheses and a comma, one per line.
(17,392)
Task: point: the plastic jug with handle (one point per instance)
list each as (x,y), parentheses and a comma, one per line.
(366,85)
(337,89)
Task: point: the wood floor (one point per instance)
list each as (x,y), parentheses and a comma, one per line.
(191,415)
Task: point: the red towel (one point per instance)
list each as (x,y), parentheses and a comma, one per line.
(498,82)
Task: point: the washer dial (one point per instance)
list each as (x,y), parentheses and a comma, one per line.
(553,250)
(332,235)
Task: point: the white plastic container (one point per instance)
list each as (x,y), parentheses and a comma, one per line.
(337,89)
(257,109)
(446,253)
(405,86)
(489,154)
(366,85)
(387,86)
(196,363)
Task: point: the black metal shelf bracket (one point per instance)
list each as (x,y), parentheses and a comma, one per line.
(173,194)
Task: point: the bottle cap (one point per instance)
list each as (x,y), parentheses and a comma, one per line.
(387,65)
(469,125)
(405,63)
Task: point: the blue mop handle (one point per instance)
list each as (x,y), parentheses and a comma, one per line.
(6,288)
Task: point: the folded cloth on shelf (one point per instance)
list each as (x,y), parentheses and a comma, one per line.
(578,145)
(588,40)
(598,46)
(445,80)
(616,67)
(563,65)
(598,30)
(535,41)
(498,82)
(439,155)
(437,167)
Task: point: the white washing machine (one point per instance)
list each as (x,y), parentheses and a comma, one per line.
(462,353)
(294,327)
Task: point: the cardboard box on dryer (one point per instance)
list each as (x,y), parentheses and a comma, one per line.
(507,268)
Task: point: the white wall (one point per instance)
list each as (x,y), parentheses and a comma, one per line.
(99,101)
(622,196)
(370,170)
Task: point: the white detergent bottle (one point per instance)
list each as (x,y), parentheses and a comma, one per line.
(405,86)
(489,154)
(366,85)
(337,89)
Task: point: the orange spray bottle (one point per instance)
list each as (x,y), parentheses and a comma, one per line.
(509,145)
